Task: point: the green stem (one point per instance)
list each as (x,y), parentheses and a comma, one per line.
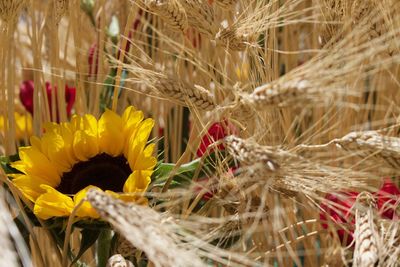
(103,248)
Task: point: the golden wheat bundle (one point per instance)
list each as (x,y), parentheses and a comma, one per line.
(145,229)
(171,11)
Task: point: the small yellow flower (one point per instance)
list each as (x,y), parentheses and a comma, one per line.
(109,154)
(23,125)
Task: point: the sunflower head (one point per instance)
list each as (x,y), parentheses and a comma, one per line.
(70,158)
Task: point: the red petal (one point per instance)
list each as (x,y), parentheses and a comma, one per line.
(216,132)
(388,199)
(26,95)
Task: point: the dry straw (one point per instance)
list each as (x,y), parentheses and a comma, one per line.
(146,229)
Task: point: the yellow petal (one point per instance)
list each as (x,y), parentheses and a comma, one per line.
(29,186)
(131,122)
(34,162)
(58,152)
(85,210)
(138,182)
(23,123)
(52,204)
(110,130)
(129,197)
(145,160)
(138,142)
(85,146)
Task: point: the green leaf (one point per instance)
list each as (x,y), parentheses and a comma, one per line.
(5,163)
(89,237)
(186,172)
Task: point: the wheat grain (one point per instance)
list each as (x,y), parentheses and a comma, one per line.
(118,260)
(367,240)
(146,229)
(171,11)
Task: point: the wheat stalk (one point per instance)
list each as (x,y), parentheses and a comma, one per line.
(171,11)
(118,260)
(367,239)
(146,229)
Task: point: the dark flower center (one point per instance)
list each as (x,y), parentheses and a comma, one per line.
(103,171)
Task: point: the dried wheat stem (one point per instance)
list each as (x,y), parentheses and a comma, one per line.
(184,94)
(367,239)
(146,229)
(118,260)
(171,11)
(200,16)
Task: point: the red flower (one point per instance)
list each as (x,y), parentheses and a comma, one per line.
(216,132)
(26,96)
(388,199)
(338,208)
(93,56)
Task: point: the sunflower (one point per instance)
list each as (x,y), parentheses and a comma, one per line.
(109,154)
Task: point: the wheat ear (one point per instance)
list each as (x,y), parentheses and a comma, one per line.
(171,11)
(367,239)
(184,94)
(9,9)
(249,153)
(200,16)
(146,229)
